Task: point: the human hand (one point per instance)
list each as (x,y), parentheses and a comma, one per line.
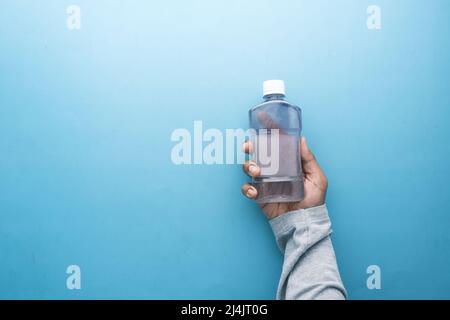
(315,183)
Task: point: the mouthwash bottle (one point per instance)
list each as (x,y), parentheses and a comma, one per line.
(275,136)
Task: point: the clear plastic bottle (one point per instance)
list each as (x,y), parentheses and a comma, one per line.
(276,129)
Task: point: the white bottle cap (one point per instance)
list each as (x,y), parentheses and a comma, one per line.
(273,87)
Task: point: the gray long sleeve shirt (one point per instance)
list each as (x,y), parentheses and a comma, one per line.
(309,270)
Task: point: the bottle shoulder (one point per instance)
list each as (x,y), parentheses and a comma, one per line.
(274,103)
(281,112)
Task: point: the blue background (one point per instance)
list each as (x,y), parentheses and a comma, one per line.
(86,116)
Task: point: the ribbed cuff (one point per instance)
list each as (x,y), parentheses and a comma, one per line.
(285,221)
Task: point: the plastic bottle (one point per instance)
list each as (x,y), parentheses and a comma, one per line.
(276,129)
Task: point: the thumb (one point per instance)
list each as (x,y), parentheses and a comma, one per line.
(309,162)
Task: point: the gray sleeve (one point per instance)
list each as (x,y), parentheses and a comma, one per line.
(309,270)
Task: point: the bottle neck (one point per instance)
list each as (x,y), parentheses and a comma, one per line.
(275,96)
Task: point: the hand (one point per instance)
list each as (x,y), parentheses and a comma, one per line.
(314,180)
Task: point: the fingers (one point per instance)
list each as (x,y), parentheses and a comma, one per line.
(249,191)
(248,147)
(309,162)
(251,169)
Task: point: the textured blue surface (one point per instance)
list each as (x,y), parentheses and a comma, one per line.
(86,116)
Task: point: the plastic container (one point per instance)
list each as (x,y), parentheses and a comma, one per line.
(276,127)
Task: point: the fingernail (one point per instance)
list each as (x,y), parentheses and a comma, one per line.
(252,169)
(251,193)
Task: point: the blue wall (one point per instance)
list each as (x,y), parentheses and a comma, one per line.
(86,116)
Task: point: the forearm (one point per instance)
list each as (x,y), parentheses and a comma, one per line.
(309,269)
